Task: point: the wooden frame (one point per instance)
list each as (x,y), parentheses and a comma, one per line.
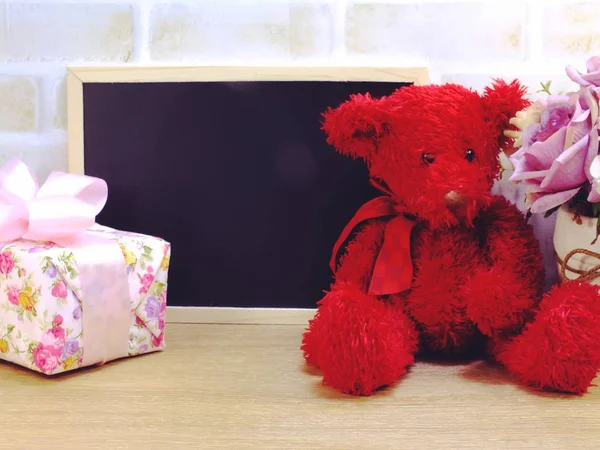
(77,76)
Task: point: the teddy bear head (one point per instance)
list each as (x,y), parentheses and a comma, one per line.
(435,147)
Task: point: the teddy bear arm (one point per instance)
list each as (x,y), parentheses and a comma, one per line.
(442,260)
(510,240)
(500,294)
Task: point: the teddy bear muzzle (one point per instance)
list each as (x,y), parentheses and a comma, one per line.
(454,200)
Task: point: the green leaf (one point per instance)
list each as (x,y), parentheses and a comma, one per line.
(16,349)
(596,209)
(10,328)
(159,287)
(546,87)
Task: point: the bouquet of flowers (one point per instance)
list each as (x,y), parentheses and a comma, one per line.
(557,140)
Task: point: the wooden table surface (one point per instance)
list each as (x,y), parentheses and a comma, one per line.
(245,386)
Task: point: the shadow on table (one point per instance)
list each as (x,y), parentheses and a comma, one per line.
(19,375)
(475,370)
(489,372)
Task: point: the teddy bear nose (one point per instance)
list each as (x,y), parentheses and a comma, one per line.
(454,200)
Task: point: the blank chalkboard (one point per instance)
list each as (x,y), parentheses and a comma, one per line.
(236,175)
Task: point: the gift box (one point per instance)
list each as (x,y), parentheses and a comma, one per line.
(74,293)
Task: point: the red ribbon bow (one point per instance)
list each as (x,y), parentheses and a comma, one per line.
(393,269)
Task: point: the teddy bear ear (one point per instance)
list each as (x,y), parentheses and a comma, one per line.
(356,127)
(501,101)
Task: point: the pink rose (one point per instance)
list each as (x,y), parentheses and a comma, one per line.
(139,321)
(7,263)
(54,337)
(60,290)
(13,295)
(46,358)
(163,306)
(161,325)
(58,320)
(157,341)
(147,280)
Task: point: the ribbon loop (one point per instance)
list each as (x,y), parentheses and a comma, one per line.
(17,182)
(62,208)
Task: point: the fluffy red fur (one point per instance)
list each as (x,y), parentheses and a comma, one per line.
(359,342)
(477,279)
(558,351)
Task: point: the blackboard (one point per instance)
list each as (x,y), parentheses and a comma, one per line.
(236,175)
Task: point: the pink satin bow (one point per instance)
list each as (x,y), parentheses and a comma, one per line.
(58,211)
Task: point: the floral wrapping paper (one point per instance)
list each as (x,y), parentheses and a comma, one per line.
(41,325)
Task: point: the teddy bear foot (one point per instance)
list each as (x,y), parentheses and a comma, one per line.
(559,350)
(360,343)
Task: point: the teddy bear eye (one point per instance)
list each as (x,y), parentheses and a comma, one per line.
(470,155)
(428,158)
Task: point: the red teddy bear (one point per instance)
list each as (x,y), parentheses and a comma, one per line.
(438,264)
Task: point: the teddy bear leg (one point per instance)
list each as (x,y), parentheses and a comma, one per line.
(560,349)
(359,342)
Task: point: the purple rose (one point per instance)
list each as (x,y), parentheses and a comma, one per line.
(554,161)
(143,348)
(51,271)
(152,307)
(77,313)
(554,117)
(71,347)
(556,114)
(591,78)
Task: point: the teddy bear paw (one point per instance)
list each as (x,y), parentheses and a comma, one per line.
(559,350)
(495,303)
(360,343)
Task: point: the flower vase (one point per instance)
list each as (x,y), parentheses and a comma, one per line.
(576,247)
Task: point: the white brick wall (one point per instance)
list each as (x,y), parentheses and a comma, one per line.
(464,41)
(480,32)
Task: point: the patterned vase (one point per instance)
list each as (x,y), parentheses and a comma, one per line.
(577,255)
